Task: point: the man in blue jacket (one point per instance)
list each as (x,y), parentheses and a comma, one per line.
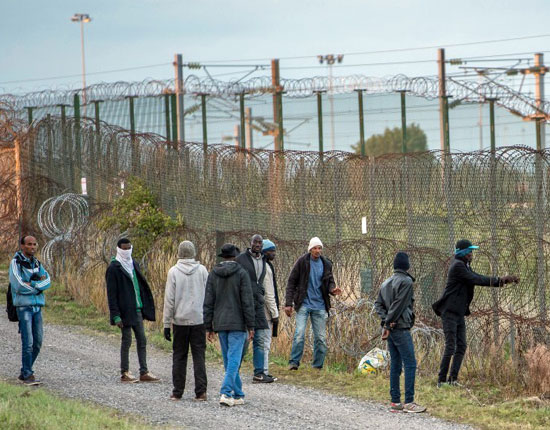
(28,280)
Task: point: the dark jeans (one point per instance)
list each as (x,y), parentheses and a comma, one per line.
(31,329)
(141,341)
(401,349)
(185,335)
(454,328)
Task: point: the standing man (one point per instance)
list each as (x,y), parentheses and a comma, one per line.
(28,281)
(130,302)
(394,305)
(229,311)
(454,305)
(309,285)
(183,309)
(254,264)
(271,300)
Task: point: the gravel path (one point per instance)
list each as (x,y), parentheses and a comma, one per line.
(82,366)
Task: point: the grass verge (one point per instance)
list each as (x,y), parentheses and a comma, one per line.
(24,408)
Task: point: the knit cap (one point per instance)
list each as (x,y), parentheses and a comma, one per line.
(186,249)
(268,245)
(315,241)
(401,261)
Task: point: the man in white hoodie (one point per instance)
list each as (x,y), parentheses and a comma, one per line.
(183,309)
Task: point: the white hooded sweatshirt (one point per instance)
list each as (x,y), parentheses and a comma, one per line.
(184,294)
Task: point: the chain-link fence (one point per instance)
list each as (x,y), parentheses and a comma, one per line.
(363,208)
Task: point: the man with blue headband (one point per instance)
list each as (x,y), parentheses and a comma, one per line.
(454,305)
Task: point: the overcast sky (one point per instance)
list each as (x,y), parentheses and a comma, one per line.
(40,41)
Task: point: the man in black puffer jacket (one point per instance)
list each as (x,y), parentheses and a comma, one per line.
(395,308)
(454,305)
(229,311)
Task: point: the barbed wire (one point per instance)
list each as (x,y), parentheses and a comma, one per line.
(60,219)
(465,91)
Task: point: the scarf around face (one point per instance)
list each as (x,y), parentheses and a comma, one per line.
(124,257)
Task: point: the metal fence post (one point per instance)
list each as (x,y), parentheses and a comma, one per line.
(77,148)
(204,123)
(403,123)
(361,123)
(493,219)
(29,114)
(539,221)
(167,116)
(320,120)
(173,100)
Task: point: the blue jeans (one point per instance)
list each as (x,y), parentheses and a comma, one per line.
(31,329)
(401,349)
(258,350)
(319,327)
(232,343)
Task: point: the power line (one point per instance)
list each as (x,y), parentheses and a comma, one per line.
(88,73)
(452,45)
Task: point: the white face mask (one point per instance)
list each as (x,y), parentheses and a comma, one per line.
(124,257)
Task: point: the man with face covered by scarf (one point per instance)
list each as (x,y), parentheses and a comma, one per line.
(130,302)
(454,305)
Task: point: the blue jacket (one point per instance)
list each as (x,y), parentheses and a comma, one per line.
(27,292)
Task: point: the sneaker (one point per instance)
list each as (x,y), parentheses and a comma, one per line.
(441,384)
(200,398)
(413,408)
(239,401)
(128,378)
(273,377)
(226,401)
(148,377)
(454,383)
(396,406)
(31,380)
(175,398)
(293,366)
(262,378)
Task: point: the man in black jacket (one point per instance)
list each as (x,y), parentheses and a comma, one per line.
(454,305)
(130,302)
(394,305)
(308,288)
(229,311)
(254,264)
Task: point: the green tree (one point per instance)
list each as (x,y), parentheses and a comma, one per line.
(389,142)
(138,213)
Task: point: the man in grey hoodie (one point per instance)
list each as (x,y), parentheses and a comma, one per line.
(183,303)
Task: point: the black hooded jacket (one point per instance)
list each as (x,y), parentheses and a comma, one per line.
(228,302)
(122,296)
(459,290)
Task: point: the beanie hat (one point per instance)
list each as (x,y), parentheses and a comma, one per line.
(315,241)
(268,245)
(401,261)
(186,249)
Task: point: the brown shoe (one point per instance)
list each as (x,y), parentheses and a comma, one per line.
(175,398)
(128,378)
(148,377)
(200,398)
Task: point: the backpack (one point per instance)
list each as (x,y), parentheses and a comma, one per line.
(10,308)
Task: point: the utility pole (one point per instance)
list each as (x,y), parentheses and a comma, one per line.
(442,99)
(277,101)
(178,66)
(539,93)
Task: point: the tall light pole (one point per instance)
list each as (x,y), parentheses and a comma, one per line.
(82,18)
(330,59)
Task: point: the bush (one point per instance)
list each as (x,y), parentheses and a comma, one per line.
(138,213)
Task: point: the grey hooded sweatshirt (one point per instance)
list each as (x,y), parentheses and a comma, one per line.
(184,294)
